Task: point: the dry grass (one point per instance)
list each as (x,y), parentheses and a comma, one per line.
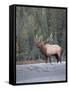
(29,62)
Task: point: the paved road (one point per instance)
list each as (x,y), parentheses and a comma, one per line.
(40,72)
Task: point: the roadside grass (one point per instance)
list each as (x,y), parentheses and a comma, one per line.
(30,62)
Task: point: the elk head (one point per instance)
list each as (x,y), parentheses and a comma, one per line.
(39,42)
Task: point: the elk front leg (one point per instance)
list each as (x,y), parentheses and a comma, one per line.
(50,59)
(46,59)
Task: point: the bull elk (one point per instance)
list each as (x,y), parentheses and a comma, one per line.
(49,50)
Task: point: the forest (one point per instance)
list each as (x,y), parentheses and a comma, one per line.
(47,23)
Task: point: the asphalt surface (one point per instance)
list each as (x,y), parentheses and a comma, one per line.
(40,72)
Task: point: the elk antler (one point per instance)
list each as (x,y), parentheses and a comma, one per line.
(38,39)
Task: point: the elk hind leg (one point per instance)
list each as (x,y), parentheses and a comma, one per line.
(58,58)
